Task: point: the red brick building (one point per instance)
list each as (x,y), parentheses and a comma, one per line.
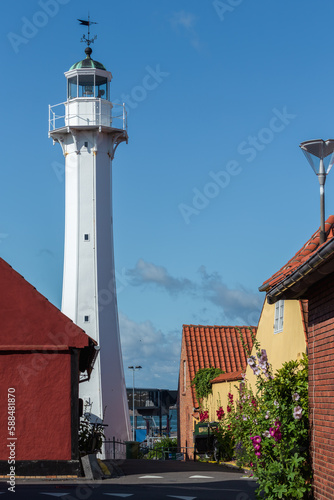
(205,347)
(310,275)
(41,355)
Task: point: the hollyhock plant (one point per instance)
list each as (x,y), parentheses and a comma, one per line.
(220,413)
(271,423)
(297,412)
(204,415)
(295,396)
(251,361)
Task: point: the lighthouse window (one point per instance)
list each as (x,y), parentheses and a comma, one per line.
(86,237)
(86,85)
(72,88)
(101,87)
(86,319)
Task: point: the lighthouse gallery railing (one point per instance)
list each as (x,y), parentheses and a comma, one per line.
(59,118)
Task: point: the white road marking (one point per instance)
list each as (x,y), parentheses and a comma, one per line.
(151,477)
(201,477)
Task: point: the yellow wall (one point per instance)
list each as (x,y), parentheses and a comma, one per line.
(219,397)
(284,346)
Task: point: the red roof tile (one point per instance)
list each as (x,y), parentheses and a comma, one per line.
(228,377)
(222,347)
(310,248)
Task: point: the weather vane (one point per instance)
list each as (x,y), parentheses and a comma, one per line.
(87,40)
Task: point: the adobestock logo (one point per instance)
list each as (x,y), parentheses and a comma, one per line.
(250,147)
(30,27)
(222,8)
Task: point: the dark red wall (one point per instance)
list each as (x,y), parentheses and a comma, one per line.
(321,385)
(185,408)
(42,385)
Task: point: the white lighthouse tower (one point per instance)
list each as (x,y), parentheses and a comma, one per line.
(89,128)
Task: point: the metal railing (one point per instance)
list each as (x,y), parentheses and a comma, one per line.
(114,449)
(59,118)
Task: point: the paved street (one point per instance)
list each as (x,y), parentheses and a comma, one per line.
(145,480)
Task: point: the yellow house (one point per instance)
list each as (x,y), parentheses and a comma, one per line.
(282,332)
(205,347)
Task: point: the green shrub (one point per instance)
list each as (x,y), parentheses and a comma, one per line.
(202,382)
(271,428)
(166,444)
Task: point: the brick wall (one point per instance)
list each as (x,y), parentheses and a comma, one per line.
(321,385)
(185,407)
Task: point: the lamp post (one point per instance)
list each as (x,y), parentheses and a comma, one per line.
(133,368)
(324,151)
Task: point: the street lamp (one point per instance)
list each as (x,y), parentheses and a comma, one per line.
(133,368)
(324,151)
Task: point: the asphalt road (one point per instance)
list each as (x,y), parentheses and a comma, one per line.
(153,480)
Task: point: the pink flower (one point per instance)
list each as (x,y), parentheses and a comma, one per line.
(230,397)
(254,403)
(251,361)
(204,416)
(263,360)
(220,413)
(256,439)
(275,431)
(228,409)
(295,396)
(297,412)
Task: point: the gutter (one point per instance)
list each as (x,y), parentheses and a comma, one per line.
(313,263)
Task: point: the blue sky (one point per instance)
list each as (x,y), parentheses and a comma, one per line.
(212,194)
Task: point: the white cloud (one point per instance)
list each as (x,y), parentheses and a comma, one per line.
(157,352)
(147,273)
(186,22)
(237,305)
(185,19)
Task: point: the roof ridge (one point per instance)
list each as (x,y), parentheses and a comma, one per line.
(218,326)
(309,248)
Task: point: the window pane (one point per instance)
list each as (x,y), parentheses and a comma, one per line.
(279,316)
(101,87)
(86,86)
(72,88)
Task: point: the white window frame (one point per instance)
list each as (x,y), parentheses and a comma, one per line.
(279,316)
